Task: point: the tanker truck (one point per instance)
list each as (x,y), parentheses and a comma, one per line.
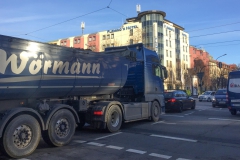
(48,90)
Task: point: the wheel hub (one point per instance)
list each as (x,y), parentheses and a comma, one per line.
(62,128)
(22,136)
(114,119)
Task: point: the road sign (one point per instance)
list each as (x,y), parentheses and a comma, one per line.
(220,64)
(200,75)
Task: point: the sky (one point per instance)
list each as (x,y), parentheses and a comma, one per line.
(213,25)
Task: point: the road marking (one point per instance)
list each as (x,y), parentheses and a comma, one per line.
(79,141)
(23,159)
(176,138)
(96,144)
(162,122)
(173,116)
(160,155)
(108,136)
(220,119)
(182,159)
(136,151)
(188,113)
(114,147)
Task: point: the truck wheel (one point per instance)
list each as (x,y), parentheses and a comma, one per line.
(21,136)
(114,118)
(155,112)
(61,128)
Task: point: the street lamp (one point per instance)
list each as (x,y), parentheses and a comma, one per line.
(82,26)
(221,56)
(221,77)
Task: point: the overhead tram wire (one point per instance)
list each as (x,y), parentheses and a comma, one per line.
(67,20)
(213,27)
(214,33)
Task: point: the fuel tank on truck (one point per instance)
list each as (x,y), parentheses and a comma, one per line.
(31,69)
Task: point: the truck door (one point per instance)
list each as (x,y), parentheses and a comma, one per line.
(158,87)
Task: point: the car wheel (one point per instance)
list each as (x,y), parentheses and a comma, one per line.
(233,112)
(193,105)
(180,109)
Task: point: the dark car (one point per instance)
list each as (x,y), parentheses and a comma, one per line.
(178,100)
(220,98)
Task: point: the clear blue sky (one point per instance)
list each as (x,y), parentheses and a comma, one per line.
(34,18)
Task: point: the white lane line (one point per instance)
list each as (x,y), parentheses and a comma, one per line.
(220,119)
(96,144)
(23,159)
(79,141)
(136,151)
(188,113)
(172,115)
(162,122)
(182,159)
(114,147)
(160,155)
(176,138)
(108,136)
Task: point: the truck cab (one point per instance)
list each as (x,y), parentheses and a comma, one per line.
(233,92)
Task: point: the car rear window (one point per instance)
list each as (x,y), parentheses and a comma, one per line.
(168,94)
(221,92)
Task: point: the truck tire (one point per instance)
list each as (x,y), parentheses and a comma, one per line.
(114,118)
(155,111)
(61,128)
(21,136)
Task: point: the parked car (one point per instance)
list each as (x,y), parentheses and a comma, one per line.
(206,96)
(220,98)
(178,100)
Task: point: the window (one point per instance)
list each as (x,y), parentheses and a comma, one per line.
(65,42)
(90,39)
(171,54)
(186,49)
(166,42)
(94,38)
(103,47)
(104,37)
(112,45)
(108,36)
(183,49)
(183,39)
(156,70)
(78,41)
(170,34)
(167,53)
(166,32)
(112,36)
(170,44)
(108,45)
(186,58)
(131,41)
(170,63)
(131,32)
(167,63)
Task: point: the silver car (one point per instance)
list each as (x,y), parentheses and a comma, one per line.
(206,96)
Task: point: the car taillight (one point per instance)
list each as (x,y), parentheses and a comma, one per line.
(172,100)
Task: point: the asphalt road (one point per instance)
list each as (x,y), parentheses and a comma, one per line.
(205,133)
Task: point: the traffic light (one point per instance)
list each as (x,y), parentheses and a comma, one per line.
(220,64)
